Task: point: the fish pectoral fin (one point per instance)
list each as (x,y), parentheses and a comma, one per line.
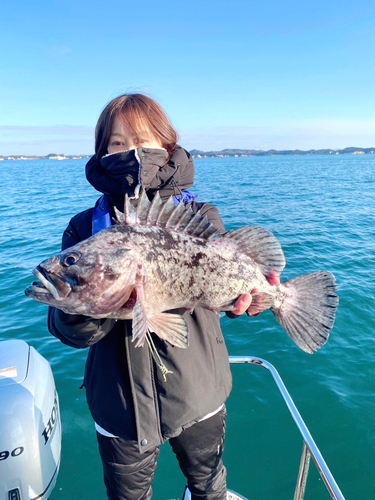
(260,301)
(140,325)
(167,326)
(170,327)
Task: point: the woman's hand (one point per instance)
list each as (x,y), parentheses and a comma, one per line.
(243,302)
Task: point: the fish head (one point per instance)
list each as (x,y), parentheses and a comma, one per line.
(95,278)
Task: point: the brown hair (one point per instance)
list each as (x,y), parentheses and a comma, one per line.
(140,113)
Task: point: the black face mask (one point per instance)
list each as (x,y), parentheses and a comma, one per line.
(122,171)
(119,173)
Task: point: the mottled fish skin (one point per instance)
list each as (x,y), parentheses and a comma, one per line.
(181,271)
(162,257)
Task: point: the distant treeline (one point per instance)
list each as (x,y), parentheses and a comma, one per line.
(273,152)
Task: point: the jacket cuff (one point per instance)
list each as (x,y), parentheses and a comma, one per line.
(76,330)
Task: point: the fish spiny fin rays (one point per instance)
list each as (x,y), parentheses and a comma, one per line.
(154,210)
(130,212)
(142,208)
(261,245)
(120,217)
(169,216)
(165,212)
(167,326)
(307,312)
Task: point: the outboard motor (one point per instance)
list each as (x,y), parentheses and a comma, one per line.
(30,427)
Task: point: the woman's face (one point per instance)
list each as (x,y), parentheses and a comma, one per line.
(123,139)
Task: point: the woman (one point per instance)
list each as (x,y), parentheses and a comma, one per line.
(138,399)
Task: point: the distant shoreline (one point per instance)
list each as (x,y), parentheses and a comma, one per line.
(47,157)
(225,153)
(229,153)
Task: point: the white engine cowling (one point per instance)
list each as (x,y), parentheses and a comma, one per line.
(30,427)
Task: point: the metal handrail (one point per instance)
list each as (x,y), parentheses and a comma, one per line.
(309,446)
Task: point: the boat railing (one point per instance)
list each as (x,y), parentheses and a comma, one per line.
(309,448)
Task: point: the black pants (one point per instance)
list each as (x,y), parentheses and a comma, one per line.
(128,474)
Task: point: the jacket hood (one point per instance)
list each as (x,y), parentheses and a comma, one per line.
(120,173)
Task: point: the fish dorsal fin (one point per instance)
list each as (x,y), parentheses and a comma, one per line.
(142,210)
(120,217)
(166,212)
(130,212)
(167,215)
(261,245)
(154,210)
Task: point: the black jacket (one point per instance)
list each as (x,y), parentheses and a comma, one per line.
(126,393)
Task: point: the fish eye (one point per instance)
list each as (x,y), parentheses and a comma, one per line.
(69,259)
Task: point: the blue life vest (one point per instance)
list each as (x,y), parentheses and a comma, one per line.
(101,215)
(186,196)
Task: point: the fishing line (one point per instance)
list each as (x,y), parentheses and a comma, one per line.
(154,353)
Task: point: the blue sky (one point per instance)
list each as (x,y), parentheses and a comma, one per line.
(242,74)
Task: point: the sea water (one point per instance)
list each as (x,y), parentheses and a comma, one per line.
(321,208)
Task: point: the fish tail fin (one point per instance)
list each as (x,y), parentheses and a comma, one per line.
(308,310)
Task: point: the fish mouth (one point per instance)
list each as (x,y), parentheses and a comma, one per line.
(48,285)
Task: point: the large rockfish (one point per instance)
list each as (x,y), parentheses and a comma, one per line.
(161,257)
